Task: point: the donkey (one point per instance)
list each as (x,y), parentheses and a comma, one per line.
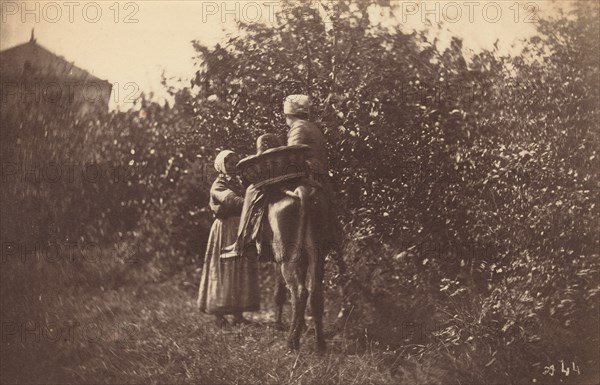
(295,220)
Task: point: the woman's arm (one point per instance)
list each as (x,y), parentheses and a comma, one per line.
(224,202)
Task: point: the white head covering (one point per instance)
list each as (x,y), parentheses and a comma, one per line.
(296,104)
(220,161)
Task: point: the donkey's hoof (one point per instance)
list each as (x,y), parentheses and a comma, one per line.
(321,349)
(279,326)
(294,345)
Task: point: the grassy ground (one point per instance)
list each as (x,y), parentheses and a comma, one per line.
(73,321)
(70,324)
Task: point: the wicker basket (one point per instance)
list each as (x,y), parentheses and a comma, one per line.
(274,165)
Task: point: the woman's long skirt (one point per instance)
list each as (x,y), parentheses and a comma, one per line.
(227,285)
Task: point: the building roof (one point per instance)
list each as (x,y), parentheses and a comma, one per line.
(46,64)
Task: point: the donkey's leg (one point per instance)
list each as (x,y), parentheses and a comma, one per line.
(294,276)
(316,271)
(317,304)
(280,295)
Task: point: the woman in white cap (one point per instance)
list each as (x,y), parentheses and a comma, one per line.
(228,285)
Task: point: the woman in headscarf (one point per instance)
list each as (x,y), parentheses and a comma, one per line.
(228,285)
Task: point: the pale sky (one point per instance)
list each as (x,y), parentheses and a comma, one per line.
(135,41)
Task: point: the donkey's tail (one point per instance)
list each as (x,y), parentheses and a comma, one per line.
(302,195)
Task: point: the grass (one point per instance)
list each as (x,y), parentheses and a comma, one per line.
(75,323)
(81,322)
